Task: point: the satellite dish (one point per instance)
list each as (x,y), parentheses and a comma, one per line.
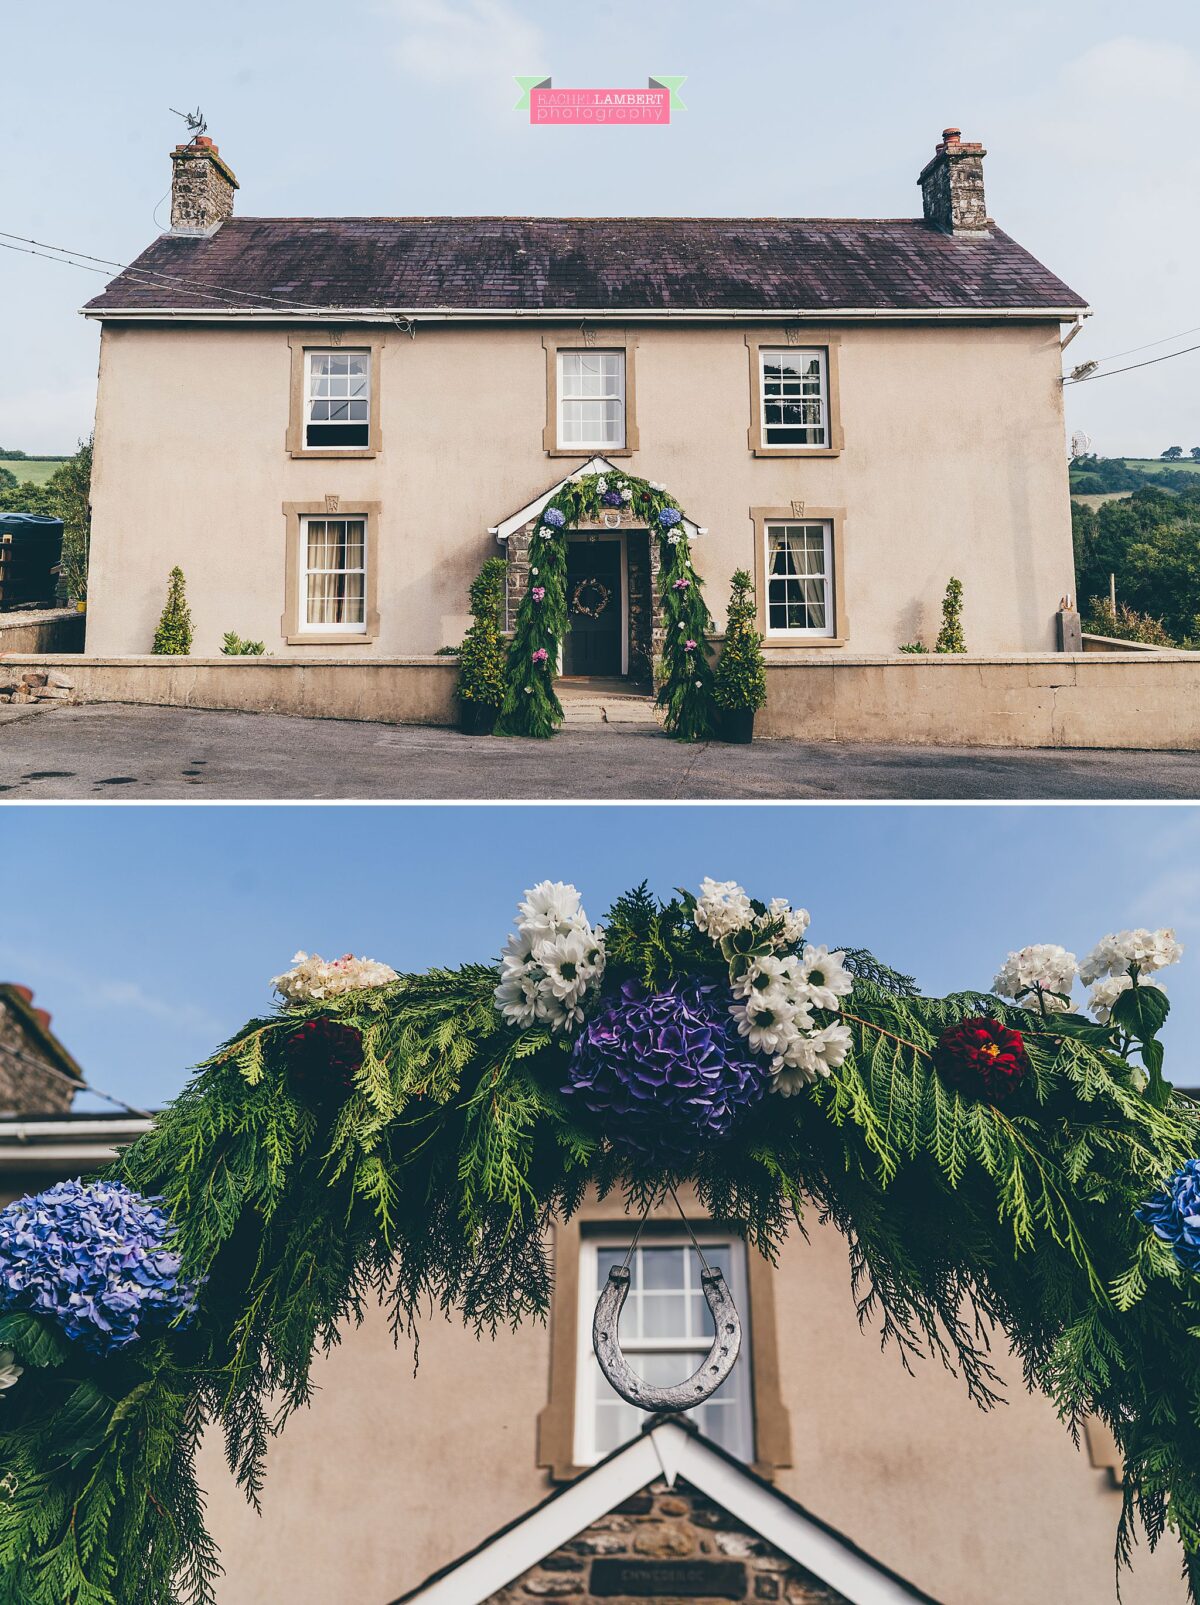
(1081,444)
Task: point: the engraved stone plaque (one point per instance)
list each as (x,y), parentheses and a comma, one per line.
(615,1576)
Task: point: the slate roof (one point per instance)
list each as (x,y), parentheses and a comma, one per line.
(545,264)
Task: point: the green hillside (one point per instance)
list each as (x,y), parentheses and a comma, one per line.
(36,469)
(1155,465)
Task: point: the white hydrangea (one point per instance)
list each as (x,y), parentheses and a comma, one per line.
(551,961)
(1033,972)
(1106,992)
(1117,953)
(312,979)
(9,1369)
(795,921)
(722,908)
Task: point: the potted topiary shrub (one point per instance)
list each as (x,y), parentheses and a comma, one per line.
(482,656)
(741,682)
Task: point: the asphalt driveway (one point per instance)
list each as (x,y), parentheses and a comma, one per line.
(117,752)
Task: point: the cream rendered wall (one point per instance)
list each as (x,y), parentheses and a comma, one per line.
(388,1477)
(954,463)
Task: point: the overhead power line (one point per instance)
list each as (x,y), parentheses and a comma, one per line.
(43,1067)
(1089,378)
(1149,346)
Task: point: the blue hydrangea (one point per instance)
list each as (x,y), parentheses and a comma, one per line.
(666,1072)
(1174,1214)
(95,1259)
(554,516)
(668,516)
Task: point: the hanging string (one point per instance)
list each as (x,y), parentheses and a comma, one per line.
(704,1265)
(636,1235)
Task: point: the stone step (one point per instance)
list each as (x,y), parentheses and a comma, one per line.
(602,710)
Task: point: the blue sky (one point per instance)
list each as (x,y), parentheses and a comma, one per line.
(1088,108)
(151,933)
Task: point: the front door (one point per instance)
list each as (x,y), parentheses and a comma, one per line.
(593,643)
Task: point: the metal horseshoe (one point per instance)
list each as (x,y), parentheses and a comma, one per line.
(703,1383)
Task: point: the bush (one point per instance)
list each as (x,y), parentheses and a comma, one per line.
(914,646)
(173,638)
(950,636)
(483,654)
(233,646)
(1125,624)
(741,682)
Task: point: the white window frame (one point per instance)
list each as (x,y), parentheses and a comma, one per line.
(619,394)
(766,353)
(303,626)
(829,577)
(587,1372)
(307,399)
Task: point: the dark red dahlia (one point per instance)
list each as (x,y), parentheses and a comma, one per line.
(982,1058)
(323,1055)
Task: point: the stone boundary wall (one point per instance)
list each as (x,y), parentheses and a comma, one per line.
(389,690)
(1111,700)
(1114,700)
(55,629)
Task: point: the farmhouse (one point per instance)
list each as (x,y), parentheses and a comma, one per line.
(329,423)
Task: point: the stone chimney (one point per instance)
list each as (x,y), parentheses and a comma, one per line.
(202,187)
(952,186)
(36,1071)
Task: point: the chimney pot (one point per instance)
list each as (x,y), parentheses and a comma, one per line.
(202,187)
(42,1016)
(25,992)
(952,186)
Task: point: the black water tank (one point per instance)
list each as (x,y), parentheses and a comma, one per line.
(30,552)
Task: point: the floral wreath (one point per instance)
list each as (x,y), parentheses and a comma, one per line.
(993,1160)
(685,684)
(603,598)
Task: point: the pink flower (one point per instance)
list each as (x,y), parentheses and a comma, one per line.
(540,655)
(538,593)
(681,585)
(689,646)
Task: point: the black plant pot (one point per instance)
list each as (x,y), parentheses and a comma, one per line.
(737,725)
(477,718)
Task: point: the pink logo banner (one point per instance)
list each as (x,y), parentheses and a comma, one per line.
(599,106)
(558,108)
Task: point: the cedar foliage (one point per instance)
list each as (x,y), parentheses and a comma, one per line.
(432,1183)
(741,680)
(174,634)
(482,655)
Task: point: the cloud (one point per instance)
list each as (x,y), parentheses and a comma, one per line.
(129,995)
(50,977)
(448,41)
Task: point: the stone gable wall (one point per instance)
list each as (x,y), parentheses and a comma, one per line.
(670,1545)
(26,1088)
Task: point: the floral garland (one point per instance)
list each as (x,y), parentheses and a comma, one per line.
(603,598)
(531,706)
(1011,1163)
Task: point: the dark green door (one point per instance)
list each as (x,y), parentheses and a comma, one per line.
(593,644)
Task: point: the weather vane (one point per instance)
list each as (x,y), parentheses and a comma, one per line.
(194,120)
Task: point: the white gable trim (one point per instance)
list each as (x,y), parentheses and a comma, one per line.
(672,1452)
(594,465)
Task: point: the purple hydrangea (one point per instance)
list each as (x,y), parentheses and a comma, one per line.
(1174,1214)
(95,1259)
(668,516)
(612,498)
(555,517)
(666,1071)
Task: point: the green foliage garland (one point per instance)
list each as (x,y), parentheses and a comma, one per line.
(431,1181)
(174,634)
(741,677)
(481,657)
(531,706)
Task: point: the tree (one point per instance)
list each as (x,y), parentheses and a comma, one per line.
(950,636)
(1151,542)
(8,480)
(741,681)
(1195,453)
(71,488)
(1173,454)
(173,638)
